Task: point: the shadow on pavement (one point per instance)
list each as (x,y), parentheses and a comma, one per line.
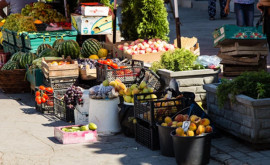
(54,140)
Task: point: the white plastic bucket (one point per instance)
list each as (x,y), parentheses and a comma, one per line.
(81,111)
(104,113)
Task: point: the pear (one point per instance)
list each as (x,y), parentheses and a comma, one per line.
(133,86)
(142,85)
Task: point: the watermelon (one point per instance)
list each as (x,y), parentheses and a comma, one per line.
(69,48)
(89,47)
(16,56)
(48,53)
(10,65)
(57,42)
(26,59)
(42,47)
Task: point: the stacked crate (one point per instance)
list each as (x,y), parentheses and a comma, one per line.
(241,49)
(237,58)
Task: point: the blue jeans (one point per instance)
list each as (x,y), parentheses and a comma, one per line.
(212,8)
(244,14)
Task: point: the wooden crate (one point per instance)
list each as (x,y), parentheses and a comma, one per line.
(68,70)
(236,49)
(14,81)
(87,73)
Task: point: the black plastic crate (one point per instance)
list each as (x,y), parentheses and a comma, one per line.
(147,135)
(155,110)
(126,75)
(47,106)
(60,83)
(61,111)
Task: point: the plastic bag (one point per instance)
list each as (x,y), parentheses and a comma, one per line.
(208,61)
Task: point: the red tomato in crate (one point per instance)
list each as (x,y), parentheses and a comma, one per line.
(114,65)
(49,89)
(50,103)
(106,62)
(100,61)
(45,96)
(41,87)
(110,62)
(43,100)
(37,93)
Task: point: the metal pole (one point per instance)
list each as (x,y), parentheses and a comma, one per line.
(114,25)
(178,34)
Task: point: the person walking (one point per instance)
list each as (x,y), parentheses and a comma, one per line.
(212,9)
(14,6)
(264,7)
(244,11)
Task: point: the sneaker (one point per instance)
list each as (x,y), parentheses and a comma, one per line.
(211,18)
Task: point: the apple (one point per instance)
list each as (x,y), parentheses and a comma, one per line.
(142,51)
(146,45)
(160,49)
(129,51)
(84,128)
(148,50)
(154,51)
(142,48)
(151,46)
(167,46)
(156,45)
(120,47)
(150,41)
(125,48)
(144,42)
(172,47)
(135,47)
(126,44)
(134,52)
(132,43)
(139,45)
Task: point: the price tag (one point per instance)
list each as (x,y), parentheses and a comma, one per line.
(185,125)
(169,95)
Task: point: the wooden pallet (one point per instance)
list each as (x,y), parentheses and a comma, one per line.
(242,50)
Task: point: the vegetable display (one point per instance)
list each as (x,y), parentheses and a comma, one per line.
(178,60)
(69,48)
(89,47)
(73,97)
(42,47)
(48,52)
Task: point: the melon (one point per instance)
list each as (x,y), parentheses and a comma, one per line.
(89,47)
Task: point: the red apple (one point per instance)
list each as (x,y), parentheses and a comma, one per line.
(126,44)
(148,50)
(142,48)
(142,51)
(154,51)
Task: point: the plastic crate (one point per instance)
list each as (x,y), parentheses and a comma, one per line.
(5,35)
(34,76)
(126,75)
(48,105)
(155,110)
(147,135)
(61,111)
(32,40)
(60,83)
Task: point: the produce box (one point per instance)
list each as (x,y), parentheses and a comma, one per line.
(35,77)
(8,48)
(92,25)
(95,10)
(60,83)
(9,36)
(232,33)
(13,81)
(74,137)
(127,75)
(61,110)
(48,105)
(58,71)
(87,73)
(31,40)
(155,110)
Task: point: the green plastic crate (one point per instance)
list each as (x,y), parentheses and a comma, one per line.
(227,33)
(9,48)
(5,35)
(35,77)
(33,40)
(11,37)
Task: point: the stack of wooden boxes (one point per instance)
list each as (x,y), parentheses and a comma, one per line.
(241,49)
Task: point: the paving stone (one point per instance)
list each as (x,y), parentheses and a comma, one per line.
(255,155)
(266,153)
(236,154)
(221,157)
(233,162)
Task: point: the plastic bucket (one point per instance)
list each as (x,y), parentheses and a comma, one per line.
(81,111)
(192,150)
(165,140)
(104,113)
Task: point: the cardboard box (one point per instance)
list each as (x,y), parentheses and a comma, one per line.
(74,137)
(95,11)
(92,25)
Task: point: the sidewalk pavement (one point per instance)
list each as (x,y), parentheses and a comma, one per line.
(26,136)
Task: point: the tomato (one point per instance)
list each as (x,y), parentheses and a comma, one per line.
(121,67)
(45,96)
(39,101)
(120,72)
(43,100)
(100,61)
(114,65)
(110,62)
(50,103)
(109,67)
(106,62)
(49,89)
(37,93)
(41,87)
(128,71)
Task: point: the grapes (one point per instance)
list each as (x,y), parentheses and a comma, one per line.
(73,97)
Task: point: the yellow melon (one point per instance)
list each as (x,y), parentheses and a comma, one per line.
(94,57)
(102,52)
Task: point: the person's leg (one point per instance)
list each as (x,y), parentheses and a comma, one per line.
(239,14)
(222,4)
(211,8)
(249,14)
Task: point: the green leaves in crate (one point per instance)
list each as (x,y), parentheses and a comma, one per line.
(252,84)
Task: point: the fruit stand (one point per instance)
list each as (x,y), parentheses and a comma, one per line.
(87,82)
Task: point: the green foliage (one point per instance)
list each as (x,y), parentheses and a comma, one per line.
(178,60)
(107,3)
(144,19)
(128,30)
(151,19)
(252,84)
